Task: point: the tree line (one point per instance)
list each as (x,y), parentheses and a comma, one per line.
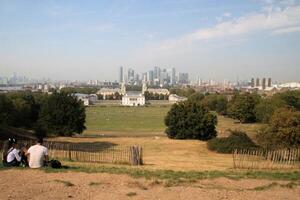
(56,114)
(195,118)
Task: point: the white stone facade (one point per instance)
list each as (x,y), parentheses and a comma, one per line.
(133,100)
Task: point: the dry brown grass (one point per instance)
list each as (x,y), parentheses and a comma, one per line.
(164,153)
(225,124)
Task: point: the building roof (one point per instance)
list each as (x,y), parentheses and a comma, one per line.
(158,90)
(290,85)
(109,90)
(134,94)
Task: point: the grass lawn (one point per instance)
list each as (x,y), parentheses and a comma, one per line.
(145,121)
(126,119)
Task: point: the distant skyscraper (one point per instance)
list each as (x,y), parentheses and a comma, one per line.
(183,78)
(264,83)
(121,76)
(130,76)
(252,82)
(173,76)
(257,82)
(269,82)
(151,76)
(144,77)
(156,73)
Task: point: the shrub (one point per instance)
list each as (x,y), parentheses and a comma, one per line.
(236,140)
(283,130)
(190,120)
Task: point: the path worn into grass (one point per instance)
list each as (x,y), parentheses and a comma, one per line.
(36,184)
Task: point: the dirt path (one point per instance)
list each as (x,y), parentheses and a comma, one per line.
(35,184)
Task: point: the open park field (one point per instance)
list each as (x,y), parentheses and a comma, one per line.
(144,121)
(131,121)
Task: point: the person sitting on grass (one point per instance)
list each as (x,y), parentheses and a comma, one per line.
(37,154)
(11,156)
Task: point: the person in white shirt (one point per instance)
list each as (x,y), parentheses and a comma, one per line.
(37,154)
(11,157)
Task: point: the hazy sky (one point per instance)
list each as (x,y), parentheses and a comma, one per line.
(215,39)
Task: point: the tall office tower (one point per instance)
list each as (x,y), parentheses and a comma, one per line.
(252,82)
(183,78)
(121,76)
(264,83)
(173,77)
(156,73)
(156,76)
(257,82)
(163,77)
(151,77)
(130,76)
(269,82)
(144,77)
(136,78)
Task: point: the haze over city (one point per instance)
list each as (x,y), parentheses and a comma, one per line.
(211,39)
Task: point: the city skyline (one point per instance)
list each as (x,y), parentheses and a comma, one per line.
(81,41)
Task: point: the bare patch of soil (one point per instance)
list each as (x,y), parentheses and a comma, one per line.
(36,184)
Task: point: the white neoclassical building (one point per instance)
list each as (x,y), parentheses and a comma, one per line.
(133,99)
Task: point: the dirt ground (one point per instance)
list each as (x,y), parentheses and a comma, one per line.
(36,184)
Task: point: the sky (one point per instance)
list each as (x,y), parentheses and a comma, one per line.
(212,39)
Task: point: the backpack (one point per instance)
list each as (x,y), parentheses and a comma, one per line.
(55,164)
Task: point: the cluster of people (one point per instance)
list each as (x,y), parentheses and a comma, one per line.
(35,156)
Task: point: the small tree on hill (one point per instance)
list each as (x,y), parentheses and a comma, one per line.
(190,120)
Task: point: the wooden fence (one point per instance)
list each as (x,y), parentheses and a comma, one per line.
(266,159)
(89,152)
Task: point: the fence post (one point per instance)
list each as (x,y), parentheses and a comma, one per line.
(136,155)
(69,150)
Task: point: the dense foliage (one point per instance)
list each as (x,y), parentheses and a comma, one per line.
(185,92)
(283,130)
(155,96)
(83,90)
(236,140)
(62,114)
(242,107)
(6,110)
(190,120)
(59,113)
(197,96)
(216,102)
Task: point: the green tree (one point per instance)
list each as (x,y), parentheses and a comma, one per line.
(62,114)
(291,98)
(283,130)
(190,120)
(242,107)
(197,96)
(216,102)
(26,109)
(265,109)
(7,110)
(186,92)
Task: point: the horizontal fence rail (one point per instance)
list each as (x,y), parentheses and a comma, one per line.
(100,152)
(266,159)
